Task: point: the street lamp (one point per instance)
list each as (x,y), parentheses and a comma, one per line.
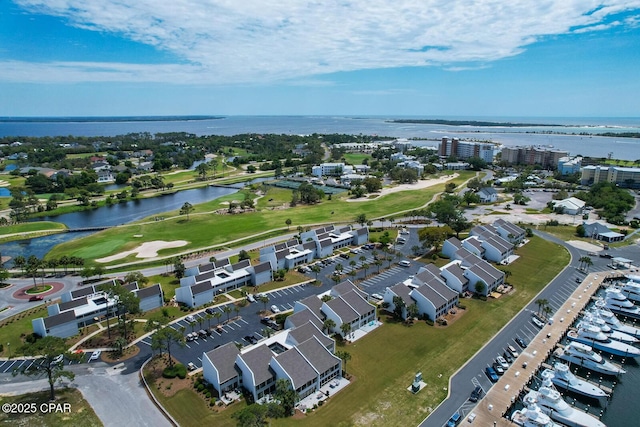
(9,349)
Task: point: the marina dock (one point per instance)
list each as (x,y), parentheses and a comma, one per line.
(491,410)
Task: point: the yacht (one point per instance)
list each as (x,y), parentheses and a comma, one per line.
(583,355)
(631,290)
(612,321)
(590,319)
(562,377)
(593,336)
(532,416)
(615,301)
(551,403)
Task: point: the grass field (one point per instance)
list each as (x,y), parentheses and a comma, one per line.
(30,227)
(13,329)
(204,229)
(81,413)
(356,158)
(384,362)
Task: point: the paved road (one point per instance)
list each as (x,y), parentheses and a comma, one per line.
(472,373)
(19,305)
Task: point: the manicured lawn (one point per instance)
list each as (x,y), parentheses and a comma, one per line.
(81,413)
(12,328)
(205,229)
(30,228)
(356,158)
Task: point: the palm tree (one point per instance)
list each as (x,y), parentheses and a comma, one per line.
(217,315)
(541,303)
(193,325)
(119,343)
(227,310)
(338,269)
(316,270)
(236,310)
(547,311)
(264,300)
(365,267)
(208,316)
(345,356)
(328,325)
(346,329)
(20,262)
(587,263)
(378,263)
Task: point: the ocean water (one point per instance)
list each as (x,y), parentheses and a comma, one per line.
(570,140)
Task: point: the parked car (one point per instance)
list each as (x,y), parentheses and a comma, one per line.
(404,263)
(191,366)
(210,310)
(501,360)
(95,355)
(507,357)
(401,240)
(475,394)
(355,251)
(522,343)
(376,296)
(190,319)
(454,420)
(251,298)
(344,255)
(498,368)
(511,349)
(275,309)
(202,333)
(491,373)
(539,323)
(58,359)
(35,298)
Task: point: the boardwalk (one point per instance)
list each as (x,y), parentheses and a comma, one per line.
(502,395)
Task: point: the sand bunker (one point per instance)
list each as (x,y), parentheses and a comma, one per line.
(424,183)
(145,250)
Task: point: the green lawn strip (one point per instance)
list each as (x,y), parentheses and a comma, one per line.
(356,158)
(15,327)
(81,413)
(189,409)
(206,229)
(384,362)
(26,227)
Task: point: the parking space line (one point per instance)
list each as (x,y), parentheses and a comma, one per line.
(200,359)
(229,326)
(9,367)
(237,324)
(242,320)
(3,363)
(30,364)
(23,362)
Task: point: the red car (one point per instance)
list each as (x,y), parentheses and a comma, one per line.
(35,298)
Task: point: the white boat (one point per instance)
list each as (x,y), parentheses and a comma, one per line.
(593,336)
(631,290)
(583,355)
(615,301)
(551,403)
(613,322)
(590,319)
(562,377)
(532,416)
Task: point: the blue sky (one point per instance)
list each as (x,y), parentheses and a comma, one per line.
(345,57)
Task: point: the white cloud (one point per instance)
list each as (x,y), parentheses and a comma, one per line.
(231,41)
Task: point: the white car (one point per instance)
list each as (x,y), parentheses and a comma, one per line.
(537,322)
(275,309)
(376,296)
(58,359)
(251,298)
(190,319)
(95,355)
(513,351)
(502,362)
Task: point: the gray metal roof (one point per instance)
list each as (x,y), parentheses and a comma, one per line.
(403,292)
(257,360)
(201,287)
(79,293)
(314,304)
(64,306)
(59,319)
(318,355)
(223,359)
(304,316)
(241,264)
(262,267)
(299,370)
(150,291)
(342,309)
(308,330)
(348,286)
(358,303)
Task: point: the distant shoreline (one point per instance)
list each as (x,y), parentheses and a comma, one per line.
(106,119)
(473,123)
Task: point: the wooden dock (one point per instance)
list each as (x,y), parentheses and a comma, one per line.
(490,410)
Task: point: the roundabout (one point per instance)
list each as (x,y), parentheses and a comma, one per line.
(45,290)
